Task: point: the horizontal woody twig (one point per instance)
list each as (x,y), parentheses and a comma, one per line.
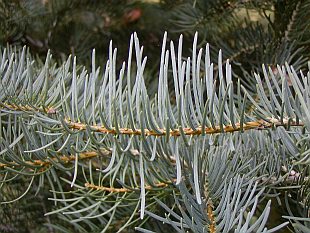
(125,190)
(63,159)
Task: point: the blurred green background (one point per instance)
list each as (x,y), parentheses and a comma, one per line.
(249,32)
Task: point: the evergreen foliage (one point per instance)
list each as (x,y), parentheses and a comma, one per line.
(111,155)
(219,144)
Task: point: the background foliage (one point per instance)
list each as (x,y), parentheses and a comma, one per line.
(43,97)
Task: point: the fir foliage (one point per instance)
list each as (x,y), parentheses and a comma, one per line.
(219,144)
(111,155)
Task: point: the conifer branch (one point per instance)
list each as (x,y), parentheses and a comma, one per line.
(210,213)
(28,108)
(63,159)
(260,124)
(292,21)
(244,50)
(126,190)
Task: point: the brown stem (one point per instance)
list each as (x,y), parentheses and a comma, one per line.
(64,159)
(28,108)
(260,124)
(125,190)
(212,226)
